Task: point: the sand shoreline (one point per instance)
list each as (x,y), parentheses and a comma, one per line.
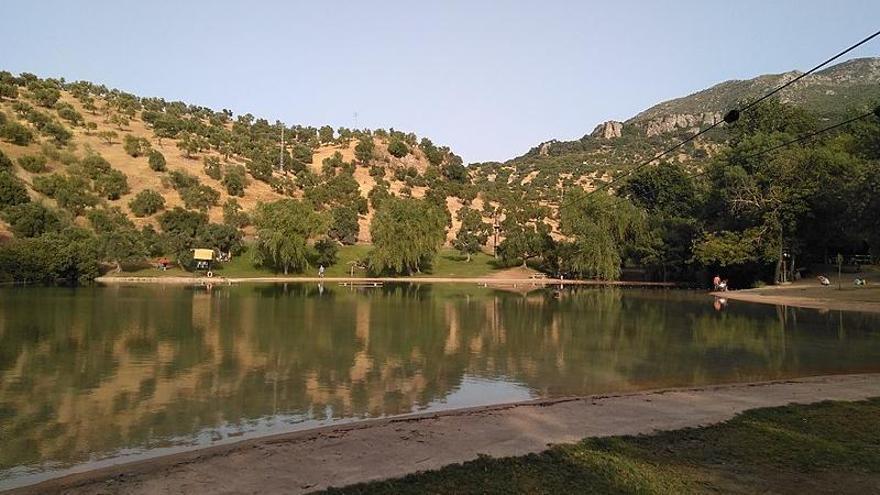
(760,296)
(309,460)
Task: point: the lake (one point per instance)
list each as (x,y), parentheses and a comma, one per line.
(96,375)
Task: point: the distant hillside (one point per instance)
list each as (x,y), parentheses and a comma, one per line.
(615,146)
(63,123)
(222,163)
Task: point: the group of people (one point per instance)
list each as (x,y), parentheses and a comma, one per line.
(718,284)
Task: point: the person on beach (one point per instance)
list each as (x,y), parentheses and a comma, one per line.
(321,271)
(716,282)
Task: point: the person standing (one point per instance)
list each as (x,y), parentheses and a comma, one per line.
(716,282)
(321,271)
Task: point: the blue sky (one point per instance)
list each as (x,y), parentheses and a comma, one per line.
(490,79)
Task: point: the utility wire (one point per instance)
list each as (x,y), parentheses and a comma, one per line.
(799,139)
(732,115)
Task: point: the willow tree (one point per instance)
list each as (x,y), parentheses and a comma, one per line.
(602,228)
(284,230)
(407,233)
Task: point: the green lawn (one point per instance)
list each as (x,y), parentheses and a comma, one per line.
(830,447)
(448,263)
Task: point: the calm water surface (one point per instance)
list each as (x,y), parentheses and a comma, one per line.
(92,376)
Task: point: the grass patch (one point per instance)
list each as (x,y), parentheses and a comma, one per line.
(829,447)
(448,263)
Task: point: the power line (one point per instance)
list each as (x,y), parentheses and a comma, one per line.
(733,115)
(799,139)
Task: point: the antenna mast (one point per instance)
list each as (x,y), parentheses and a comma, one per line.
(281,154)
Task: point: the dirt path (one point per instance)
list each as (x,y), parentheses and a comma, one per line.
(307,461)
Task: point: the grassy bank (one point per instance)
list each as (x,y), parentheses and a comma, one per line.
(830,447)
(448,263)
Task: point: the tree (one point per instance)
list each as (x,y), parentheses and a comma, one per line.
(189,144)
(602,228)
(212,167)
(222,237)
(136,146)
(157,161)
(325,134)
(182,228)
(472,234)
(112,184)
(284,229)
(200,197)
(118,240)
(108,136)
(12,190)
(146,202)
(398,148)
(344,227)
(16,133)
(364,149)
(407,233)
(234,214)
(32,219)
(235,180)
(326,252)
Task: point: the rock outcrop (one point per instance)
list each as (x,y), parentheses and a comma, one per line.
(673,122)
(608,130)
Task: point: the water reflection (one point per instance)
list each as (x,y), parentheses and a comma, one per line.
(86,373)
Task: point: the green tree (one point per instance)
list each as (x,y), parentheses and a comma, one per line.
(344,227)
(472,234)
(157,161)
(235,180)
(32,219)
(325,134)
(12,190)
(136,146)
(234,214)
(284,229)
(146,202)
(407,233)
(398,148)
(602,228)
(364,149)
(112,184)
(212,167)
(16,133)
(223,237)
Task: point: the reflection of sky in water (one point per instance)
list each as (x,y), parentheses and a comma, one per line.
(82,381)
(473,392)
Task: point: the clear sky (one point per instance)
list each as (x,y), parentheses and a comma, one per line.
(490,79)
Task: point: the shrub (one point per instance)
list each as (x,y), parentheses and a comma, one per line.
(146,202)
(212,167)
(112,185)
(199,197)
(235,180)
(12,190)
(398,148)
(16,133)
(326,252)
(157,161)
(32,219)
(34,164)
(135,146)
(234,215)
(5,162)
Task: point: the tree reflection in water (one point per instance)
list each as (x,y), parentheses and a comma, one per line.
(87,372)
